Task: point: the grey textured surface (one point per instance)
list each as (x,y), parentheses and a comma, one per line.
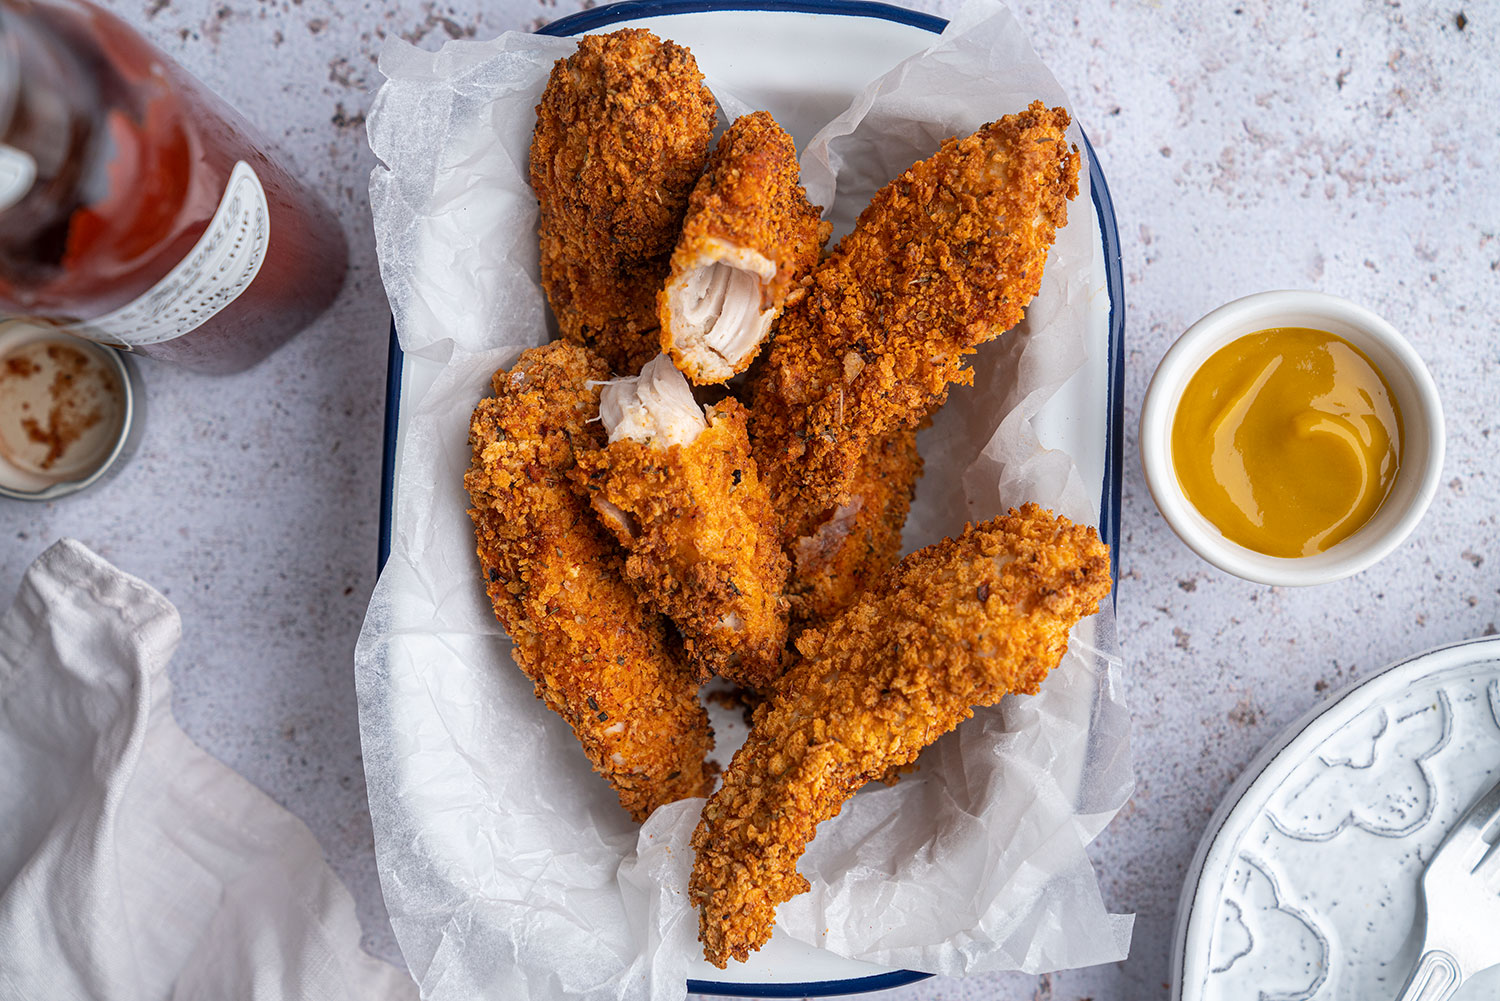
(1340,146)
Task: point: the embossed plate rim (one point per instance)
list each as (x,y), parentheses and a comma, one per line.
(1215,851)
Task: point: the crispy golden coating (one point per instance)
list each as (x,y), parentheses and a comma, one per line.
(861,540)
(622,133)
(956,625)
(749,237)
(945,258)
(599,659)
(703,543)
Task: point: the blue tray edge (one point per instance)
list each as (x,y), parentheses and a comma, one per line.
(1110,501)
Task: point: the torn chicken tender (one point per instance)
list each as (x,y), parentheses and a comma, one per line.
(681,493)
(861,540)
(600,660)
(956,625)
(655,407)
(945,258)
(622,133)
(750,236)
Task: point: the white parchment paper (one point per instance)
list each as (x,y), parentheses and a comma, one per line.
(508,868)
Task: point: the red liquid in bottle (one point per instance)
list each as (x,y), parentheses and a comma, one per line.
(155,219)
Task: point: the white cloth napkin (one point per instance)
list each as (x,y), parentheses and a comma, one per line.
(134,866)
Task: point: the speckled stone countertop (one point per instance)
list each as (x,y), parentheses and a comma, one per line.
(1343,146)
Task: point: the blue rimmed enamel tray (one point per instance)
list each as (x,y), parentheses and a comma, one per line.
(825,53)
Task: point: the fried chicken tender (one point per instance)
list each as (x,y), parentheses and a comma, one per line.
(682,495)
(956,625)
(622,133)
(599,659)
(750,236)
(945,258)
(856,545)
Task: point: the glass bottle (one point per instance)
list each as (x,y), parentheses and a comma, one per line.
(138,209)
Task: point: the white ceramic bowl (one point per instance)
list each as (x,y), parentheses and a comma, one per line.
(1410,383)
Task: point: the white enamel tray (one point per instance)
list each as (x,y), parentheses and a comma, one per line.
(1306,885)
(805,62)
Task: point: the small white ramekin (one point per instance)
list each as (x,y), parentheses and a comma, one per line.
(1411,385)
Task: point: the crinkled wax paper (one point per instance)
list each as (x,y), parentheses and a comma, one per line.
(508,867)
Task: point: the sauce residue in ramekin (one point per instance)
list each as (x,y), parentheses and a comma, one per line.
(61,410)
(1287,440)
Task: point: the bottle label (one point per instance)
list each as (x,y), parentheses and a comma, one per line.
(17,171)
(222,265)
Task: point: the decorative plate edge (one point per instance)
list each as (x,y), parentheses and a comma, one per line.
(1254,771)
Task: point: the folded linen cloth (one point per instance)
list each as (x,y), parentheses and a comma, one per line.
(134,866)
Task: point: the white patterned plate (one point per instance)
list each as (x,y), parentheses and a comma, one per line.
(1306,884)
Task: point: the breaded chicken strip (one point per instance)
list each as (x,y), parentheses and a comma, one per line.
(599,659)
(750,236)
(622,133)
(956,625)
(682,495)
(945,258)
(861,541)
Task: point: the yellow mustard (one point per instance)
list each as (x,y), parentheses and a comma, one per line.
(1287,440)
